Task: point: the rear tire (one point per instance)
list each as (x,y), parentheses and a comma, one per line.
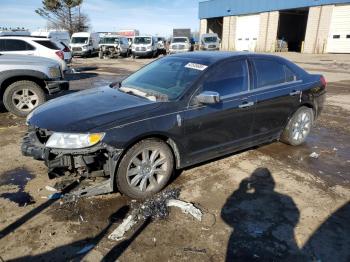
(145,169)
(21,97)
(298,127)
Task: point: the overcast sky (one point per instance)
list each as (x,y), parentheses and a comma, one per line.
(148,16)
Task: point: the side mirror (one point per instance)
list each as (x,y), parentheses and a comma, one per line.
(208,97)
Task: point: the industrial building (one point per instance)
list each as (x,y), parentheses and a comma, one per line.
(308,26)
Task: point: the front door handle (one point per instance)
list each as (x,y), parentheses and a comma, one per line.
(295,92)
(246,104)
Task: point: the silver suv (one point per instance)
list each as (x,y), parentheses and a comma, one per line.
(25,82)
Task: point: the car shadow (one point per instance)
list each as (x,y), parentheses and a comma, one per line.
(73,251)
(262,220)
(28,216)
(119,249)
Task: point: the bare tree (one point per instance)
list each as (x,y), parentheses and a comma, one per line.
(64,14)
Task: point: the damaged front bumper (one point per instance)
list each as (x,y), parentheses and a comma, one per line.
(98,160)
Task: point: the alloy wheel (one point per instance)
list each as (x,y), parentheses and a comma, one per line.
(301,127)
(147,169)
(25,99)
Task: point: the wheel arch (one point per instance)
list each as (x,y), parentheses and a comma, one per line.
(311,106)
(163,137)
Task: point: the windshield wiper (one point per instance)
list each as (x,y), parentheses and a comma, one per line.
(137,92)
(149,94)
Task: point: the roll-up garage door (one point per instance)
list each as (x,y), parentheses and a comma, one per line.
(339,36)
(247,32)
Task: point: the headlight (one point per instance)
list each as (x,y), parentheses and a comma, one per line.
(73,141)
(54,72)
(84,47)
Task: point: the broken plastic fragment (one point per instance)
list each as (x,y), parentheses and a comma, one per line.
(187,208)
(119,232)
(314,155)
(54,196)
(50,188)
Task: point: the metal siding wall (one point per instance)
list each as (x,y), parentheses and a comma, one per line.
(219,8)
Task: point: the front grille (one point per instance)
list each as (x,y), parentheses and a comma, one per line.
(178,46)
(77,49)
(140,48)
(211,46)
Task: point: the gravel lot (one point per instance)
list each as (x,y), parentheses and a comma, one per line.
(298,209)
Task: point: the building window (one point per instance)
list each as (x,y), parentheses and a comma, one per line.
(336,36)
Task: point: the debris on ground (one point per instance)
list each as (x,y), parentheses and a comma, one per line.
(314,155)
(55,196)
(50,188)
(85,249)
(195,250)
(156,207)
(119,232)
(187,208)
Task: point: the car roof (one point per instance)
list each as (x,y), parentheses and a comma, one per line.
(26,37)
(212,57)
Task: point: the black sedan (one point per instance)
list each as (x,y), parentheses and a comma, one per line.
(173,113)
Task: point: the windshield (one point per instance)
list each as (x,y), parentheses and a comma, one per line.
(80,40)
(109,40)
(142,40)
(165,78)
(210,39)
(180,40)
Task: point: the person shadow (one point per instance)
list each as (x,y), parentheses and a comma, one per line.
(262,220)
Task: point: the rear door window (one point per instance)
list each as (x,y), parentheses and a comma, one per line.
(231,77)
(290,75)
(47,44)
(269,72)
(2,45)
(17,45)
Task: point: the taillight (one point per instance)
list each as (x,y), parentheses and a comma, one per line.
(66,49)
(323,81)
(60,54)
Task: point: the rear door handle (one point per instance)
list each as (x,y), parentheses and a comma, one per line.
(246,104)
(295,92)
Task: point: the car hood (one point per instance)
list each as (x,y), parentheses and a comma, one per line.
(26,60)
(90,111)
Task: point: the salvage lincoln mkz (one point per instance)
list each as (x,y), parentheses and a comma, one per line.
(175,112)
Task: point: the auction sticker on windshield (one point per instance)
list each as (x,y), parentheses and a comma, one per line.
(196,66)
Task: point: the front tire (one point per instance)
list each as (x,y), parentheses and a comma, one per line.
(145,169)
(298,127)
(21,97)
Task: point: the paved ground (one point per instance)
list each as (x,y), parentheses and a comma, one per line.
(270,201)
